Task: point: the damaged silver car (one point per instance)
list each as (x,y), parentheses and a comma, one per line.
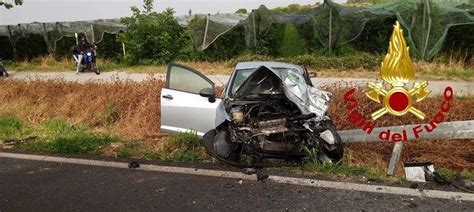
(268,111)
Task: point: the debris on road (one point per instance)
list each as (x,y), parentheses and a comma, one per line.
(418,172)
(134,165)
(466,185)
(19,141)
(228,185)
(261,176)
(249,171)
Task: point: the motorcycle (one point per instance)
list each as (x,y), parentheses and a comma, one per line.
(3,71)
(89,62)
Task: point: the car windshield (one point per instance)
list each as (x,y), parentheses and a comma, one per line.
(243,74)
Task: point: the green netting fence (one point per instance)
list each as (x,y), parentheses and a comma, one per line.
(426,23)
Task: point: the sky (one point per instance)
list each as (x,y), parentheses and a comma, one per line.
(76,10)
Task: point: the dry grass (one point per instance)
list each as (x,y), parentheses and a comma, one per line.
(456,155)
(133,110)
(461,109)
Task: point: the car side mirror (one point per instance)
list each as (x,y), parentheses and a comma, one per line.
(209,93)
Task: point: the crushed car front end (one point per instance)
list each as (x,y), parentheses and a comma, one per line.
(274,113)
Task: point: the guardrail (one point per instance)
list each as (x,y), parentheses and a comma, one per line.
(448,130)
(444,131)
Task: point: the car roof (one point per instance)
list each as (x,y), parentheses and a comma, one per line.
(270,64)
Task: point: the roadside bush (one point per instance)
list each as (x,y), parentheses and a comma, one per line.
(375,36)
(31,47)
(151,37)
(226,47)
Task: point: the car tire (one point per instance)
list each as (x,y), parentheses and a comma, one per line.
(337,154)
(208,141)
(233,159)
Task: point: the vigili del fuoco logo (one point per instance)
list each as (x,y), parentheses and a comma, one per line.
(395,97)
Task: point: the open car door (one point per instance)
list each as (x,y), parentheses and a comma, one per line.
(188,102)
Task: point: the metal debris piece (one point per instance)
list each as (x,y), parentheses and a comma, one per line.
(249,171)
(261,176)
(19,141)
(419,172)
(463,184)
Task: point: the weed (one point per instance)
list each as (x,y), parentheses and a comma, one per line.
(343,169)
(183,147)
(446,175)
(124,153)
(60,127)
(64,138)
(468,174)
(10,126)
(78,144)
(111,115)
(311,155)
(150,155)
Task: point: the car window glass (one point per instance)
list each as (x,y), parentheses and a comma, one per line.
(186,80)
(292,75)
(240,77)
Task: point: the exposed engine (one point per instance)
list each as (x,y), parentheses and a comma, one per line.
(274,116)
(273,124)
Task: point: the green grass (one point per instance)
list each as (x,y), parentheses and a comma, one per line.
(56,136)
(11,128)
(150,155)
(446,175)
(469,175)
(124,153)
(61,137)
(183,147)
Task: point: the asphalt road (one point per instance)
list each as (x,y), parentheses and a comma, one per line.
(45,186)
(437,87)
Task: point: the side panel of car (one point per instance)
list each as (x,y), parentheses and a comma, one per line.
(181,112)
(184,105)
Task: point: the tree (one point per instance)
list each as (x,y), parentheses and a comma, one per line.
(241,11)
(148,6)
(9,3)
(291,44)
(153,37)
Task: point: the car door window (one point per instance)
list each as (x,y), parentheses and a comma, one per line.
(185,79)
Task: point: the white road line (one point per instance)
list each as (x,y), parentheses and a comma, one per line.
(237,175)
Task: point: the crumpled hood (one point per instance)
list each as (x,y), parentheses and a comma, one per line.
(268,81)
